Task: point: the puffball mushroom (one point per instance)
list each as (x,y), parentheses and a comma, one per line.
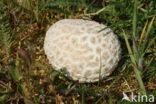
(86,49)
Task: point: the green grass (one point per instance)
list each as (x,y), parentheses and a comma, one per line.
(26,77)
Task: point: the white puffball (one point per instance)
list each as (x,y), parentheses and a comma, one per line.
(83,48)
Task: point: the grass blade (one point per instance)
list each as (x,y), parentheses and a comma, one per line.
(136,70)
(135,19)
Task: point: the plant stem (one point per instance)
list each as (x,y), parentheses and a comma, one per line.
(134,64)
(135,19)
(139,78)
(134,56)
(83,102)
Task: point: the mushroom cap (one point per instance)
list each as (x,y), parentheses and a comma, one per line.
(85,50)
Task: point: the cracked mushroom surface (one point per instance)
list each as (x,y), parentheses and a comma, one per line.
(86,49)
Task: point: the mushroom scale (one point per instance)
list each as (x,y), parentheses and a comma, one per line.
(86,49)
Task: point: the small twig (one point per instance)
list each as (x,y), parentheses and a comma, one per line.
(151,86)
(92,14)
(107,79)
(15,43)
(128,85)
(69,90)
(143,33)
(96,13)
(89,6)
(2,84)
(150,61)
